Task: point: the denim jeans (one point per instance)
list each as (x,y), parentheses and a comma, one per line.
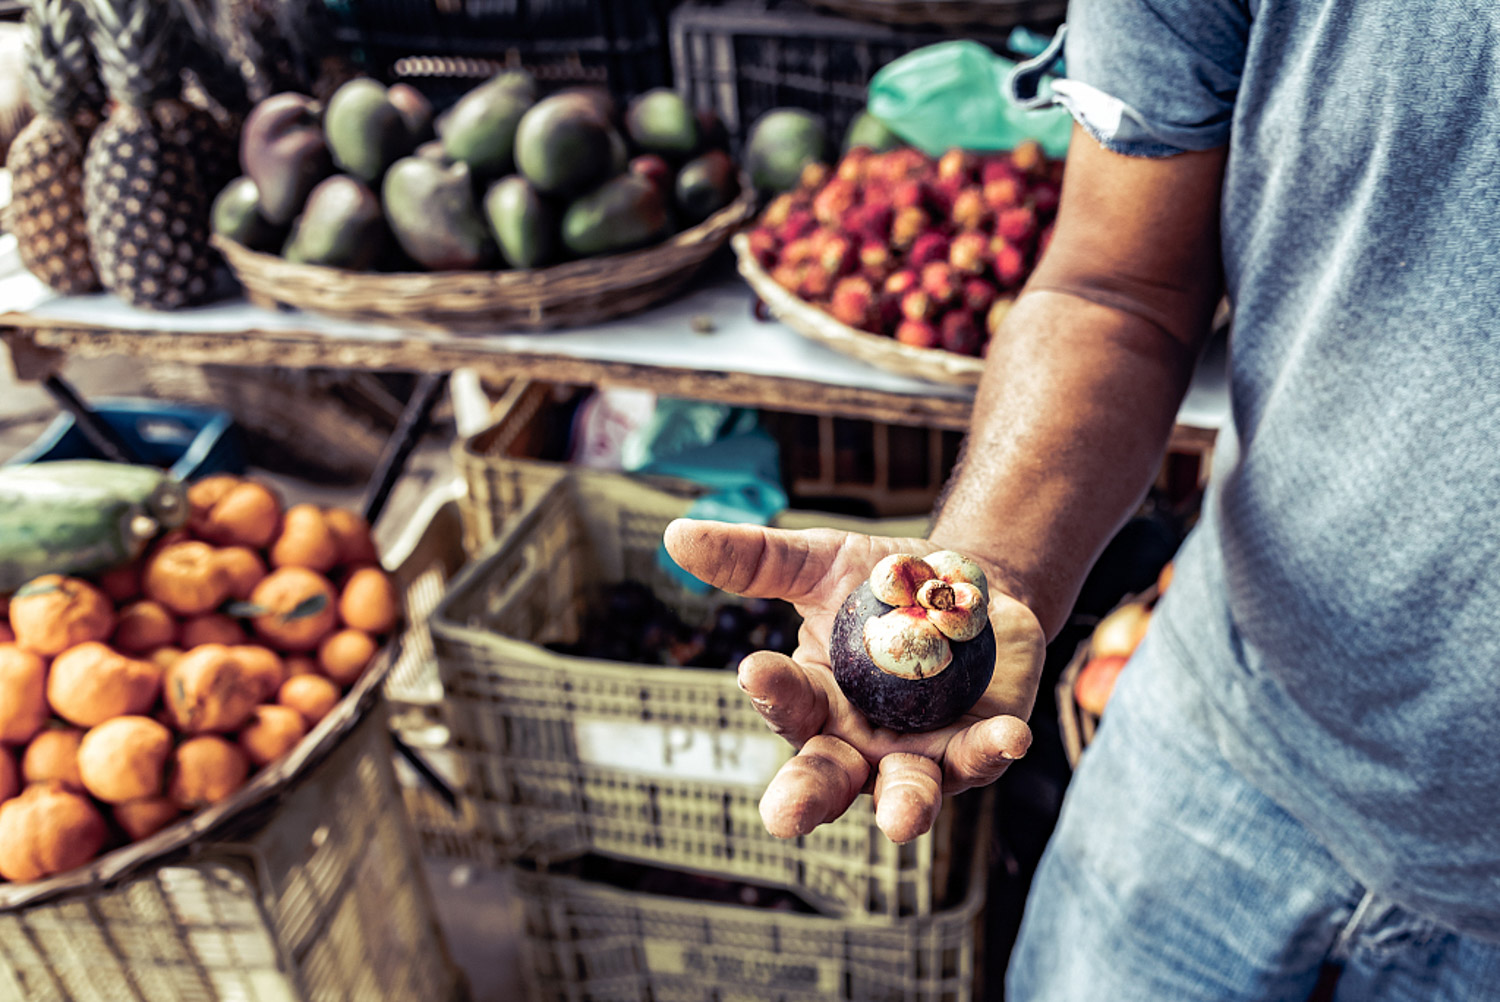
(1172,879)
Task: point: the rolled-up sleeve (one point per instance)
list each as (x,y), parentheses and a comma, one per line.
(1153,78)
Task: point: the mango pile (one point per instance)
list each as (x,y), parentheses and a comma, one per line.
(504,179)
(134,696)
(928,251)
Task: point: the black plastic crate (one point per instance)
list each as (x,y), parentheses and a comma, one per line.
(446,46)
(745,57)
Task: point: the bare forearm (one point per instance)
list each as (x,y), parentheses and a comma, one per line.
(1069,428)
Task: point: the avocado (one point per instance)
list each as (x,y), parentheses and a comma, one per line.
(341,226)
(660,121)
(366,131)
(564,146)
(524,223)
(623,213)
(781,143)
(480,130)
(431,212)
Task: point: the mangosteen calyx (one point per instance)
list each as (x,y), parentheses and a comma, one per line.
(912,646)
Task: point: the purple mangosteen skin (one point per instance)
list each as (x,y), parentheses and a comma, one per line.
(906,705)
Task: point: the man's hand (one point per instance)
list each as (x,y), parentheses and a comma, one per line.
(840,754)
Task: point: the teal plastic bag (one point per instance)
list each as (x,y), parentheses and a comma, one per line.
(957,94)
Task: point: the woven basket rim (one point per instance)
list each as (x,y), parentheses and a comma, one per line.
(272,781)
(932,364)
(481,290)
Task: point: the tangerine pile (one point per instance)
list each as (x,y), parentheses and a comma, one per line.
(160,687)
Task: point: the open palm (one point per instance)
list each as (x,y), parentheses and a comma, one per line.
(840,753)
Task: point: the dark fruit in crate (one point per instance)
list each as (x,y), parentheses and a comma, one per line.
(870,132)
(712,134)
(623,213)
(283,151)
(366,131)
(564,145)
(525,224)
(432,214)
(481,130)
(912,646)
(415,109)
(660,121)
(704,186)
(341,227)
(236,214)
(781,143)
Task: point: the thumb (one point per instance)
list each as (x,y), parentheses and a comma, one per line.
(752,560)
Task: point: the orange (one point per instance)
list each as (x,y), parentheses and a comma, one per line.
(351,535)
(205,770)
(163,657)
(142,818)
(52,613)
(187,578)
(124,758)
(369,601)
(52,757)
(46,830)
(244,569)
(204,494)
(209,689)
(90,683)
(264,667)
(244,513)
(300,664)
(23,694)
(313,696)
(344,655)
(305,540)
(211,628)
(298,609)
(143,625)
(271,733)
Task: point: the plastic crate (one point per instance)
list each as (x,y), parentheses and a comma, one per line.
(591,941)
(745,57)
(189,442)
(565,755)
(447,46)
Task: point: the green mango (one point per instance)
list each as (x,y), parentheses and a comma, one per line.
(415,109)
(621,214)
(480,130)
(660,121)
(341,226)
(525,224)
(236,214)
(704,186)
(282,149)
(869,131)
(564,145)
(431,211)
(366,131)
(781,143)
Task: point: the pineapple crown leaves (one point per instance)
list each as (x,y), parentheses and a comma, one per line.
(216,53)
(60,71)
(139,44)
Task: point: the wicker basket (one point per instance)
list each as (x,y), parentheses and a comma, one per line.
(566,755)
(588,940)
(566,295)
(932,364)
(1077,724)
(986,14)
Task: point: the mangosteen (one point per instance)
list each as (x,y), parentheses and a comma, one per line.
(912,646)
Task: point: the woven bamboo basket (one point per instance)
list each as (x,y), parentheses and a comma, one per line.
(305,885)
(1078,725)
(931,364)
(566,295)
(989,14)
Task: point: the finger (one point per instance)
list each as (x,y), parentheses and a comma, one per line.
(907,795)
(753,560)
(978,754)
(815,786)
(792,704)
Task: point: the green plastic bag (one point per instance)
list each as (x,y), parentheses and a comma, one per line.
(957,94)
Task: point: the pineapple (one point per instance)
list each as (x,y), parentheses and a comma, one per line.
(46,160)
(148,206)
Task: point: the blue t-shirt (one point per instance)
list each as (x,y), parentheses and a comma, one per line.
(1339,604)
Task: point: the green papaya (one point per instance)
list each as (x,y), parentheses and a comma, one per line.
(81,517)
